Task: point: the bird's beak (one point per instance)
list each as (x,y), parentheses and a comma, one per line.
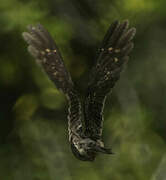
(103,150)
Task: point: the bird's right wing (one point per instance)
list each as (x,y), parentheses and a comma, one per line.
(111,57)
(43,48)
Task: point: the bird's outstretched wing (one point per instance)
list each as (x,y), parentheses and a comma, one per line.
(43,48)
(111,56)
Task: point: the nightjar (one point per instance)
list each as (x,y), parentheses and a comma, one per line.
(85,136)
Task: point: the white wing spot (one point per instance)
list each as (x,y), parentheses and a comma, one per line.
(117,50)
(47,50)
(55,73)
(116,59)
(110,49)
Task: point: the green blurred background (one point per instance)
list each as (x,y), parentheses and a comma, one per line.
(33,132)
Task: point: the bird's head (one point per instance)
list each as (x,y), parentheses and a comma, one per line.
(87,149)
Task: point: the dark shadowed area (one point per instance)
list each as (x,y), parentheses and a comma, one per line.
(33,132)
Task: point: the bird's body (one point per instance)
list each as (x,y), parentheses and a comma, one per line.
(85,136)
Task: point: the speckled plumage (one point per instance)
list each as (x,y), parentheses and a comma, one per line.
(85,136)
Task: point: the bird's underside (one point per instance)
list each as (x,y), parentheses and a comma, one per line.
(85,136)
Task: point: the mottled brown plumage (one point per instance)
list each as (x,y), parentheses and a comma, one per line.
(85,136)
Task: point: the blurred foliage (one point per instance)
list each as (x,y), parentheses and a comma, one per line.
(33,132)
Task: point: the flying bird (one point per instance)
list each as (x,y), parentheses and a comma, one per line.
(85,136)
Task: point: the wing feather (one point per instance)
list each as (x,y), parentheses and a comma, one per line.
(43,48)
(111,56)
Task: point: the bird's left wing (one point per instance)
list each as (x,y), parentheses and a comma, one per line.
(43,48)
(111,57)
